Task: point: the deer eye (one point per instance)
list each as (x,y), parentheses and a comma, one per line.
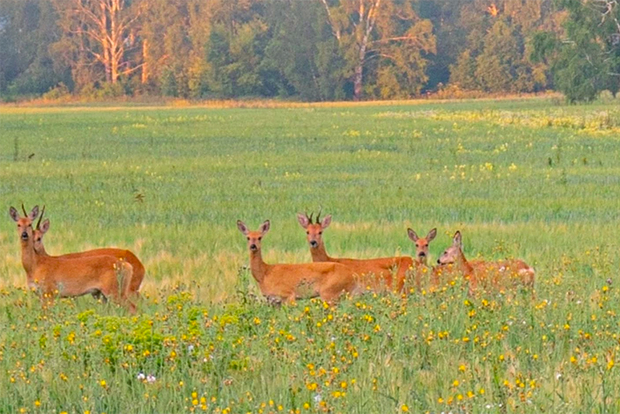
(260,238)
(308,232)
(320,233)
(248,238)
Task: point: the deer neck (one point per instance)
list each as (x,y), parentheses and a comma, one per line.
(29,258)
(258,267)
(319,254)
(463,264)
(43,252)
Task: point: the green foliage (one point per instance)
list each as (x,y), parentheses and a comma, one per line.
(588,61)
(305,52)
(314,50)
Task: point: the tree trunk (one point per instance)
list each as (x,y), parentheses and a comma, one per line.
(145,62)
(359,71)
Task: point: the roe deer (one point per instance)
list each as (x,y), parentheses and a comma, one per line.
(288,282)
(70,277)
(126,255)
(421,254)
(481,271)
(379,273)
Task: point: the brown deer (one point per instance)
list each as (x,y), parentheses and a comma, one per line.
(52,276)
(485,272)
(421,254)
(379,274)
(126,255)
(288,282)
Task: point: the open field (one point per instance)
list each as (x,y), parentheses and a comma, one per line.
(525,179)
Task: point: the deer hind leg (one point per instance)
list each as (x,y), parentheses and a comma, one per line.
(332,291)
(473,285)
(401,276)
(99,296)
(115,285)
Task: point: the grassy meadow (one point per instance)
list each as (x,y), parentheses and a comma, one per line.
(520,178)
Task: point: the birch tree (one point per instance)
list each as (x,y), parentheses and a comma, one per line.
(385,30)
(106,30)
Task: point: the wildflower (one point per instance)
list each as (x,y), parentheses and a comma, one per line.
(102,383)
(190,348)
(404,408)
(141,376)
(150,378)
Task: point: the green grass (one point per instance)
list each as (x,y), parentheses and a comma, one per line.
(524,178)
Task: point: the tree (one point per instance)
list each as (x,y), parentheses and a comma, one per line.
(304,52)
(588,59)
(237,41)
(27,27)
(388,31)
(102,30)
(499,65)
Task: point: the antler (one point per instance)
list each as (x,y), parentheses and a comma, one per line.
(318,221)
(310,218)
(24,210)
(40,217)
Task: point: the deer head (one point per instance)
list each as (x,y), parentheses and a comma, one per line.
(453,253)
(254,237)
(314,231)
(421,243)
(24,224)
(39,231)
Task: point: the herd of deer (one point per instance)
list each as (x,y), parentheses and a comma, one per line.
(117,274)
(328,277)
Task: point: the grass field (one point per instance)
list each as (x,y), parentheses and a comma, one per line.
(523,178)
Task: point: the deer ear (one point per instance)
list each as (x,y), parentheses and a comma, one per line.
(303,220)
(34,213)
(457,240)
(326,221)
(14,214)
(45,226)
(431,235)
(412,235)
(264,228)
(242,227)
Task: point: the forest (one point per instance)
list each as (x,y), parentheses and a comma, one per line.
(309,50)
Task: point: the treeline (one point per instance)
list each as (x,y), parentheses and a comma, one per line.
(313,50)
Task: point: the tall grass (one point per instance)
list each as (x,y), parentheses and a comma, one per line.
(519,178)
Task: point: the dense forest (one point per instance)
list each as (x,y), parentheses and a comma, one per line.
(313,50)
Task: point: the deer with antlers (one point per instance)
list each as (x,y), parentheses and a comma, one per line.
(484,272)
(378,274)
(138,268)
(289,282)
(51,276)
